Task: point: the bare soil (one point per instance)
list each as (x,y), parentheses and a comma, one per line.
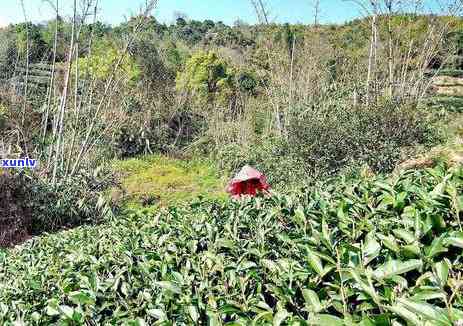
(15,218)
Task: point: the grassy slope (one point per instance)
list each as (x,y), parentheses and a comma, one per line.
(167,181)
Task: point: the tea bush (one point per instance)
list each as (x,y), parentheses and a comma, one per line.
(30,205)
(378,136)
(368,252)
(76,201)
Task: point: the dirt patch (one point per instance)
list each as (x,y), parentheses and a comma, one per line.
(15,218)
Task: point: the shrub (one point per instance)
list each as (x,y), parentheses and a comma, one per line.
(31,205)
(247,82)
(71,202)
(101,63)
(8,53)
(3,116)
(379,136)
(133,141)
(326,143)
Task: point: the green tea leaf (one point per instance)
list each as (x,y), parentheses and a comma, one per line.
(159,314)
(312,300)
(324,320)
(315,262)
(437,247)
(389,242)
(406,314)
(81,297)
(193,312)
(442,269)
(280,316)
(366,286)
(426,310)
(396,267)
(169,286)
(405,235)
(454,239)
(371,248)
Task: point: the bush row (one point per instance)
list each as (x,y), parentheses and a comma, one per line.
(368,252)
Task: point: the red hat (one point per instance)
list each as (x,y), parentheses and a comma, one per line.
(247,182)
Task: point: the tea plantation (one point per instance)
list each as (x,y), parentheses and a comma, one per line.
(363,252)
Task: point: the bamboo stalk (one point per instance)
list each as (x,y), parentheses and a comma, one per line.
(64,97)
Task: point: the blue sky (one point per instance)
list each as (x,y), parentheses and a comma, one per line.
(114,11)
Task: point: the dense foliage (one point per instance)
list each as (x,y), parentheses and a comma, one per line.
(70,203)
(337,140)
(302,103)
(363,252)
(207,75)
(31,206)
(101,63)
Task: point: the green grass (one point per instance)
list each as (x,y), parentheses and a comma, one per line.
(165,181)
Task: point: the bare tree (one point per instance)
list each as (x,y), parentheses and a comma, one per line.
(90,139)
(316,12)
(26,82)
(82,104)
(261,11)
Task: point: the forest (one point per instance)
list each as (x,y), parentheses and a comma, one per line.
(135,129)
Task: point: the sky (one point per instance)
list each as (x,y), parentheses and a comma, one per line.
(228,11)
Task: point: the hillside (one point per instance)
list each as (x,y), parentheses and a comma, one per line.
(136,129)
